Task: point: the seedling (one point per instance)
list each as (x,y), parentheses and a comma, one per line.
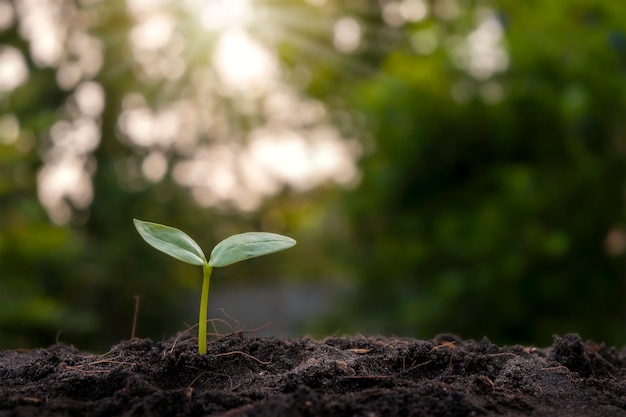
(235,248)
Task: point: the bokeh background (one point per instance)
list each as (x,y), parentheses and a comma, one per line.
(445,165)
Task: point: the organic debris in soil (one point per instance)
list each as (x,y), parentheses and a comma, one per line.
(339,376)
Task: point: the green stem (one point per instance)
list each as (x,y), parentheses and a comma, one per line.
(204,302)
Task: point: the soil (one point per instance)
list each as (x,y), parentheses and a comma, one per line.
(243,375)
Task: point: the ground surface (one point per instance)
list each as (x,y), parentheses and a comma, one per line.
(360,376)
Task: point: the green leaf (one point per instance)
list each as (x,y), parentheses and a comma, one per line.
(248,245)
(171,241)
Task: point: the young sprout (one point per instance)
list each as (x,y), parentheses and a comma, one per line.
(240,247)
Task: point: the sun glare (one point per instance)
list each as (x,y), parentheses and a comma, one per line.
(276,151)
(218,70)
(220,15)
(243,63)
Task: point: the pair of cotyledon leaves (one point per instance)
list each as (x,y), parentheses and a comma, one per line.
(236,248)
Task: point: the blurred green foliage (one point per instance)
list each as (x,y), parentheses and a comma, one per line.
(491,199)
(501,218)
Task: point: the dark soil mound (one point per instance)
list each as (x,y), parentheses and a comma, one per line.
(358,376)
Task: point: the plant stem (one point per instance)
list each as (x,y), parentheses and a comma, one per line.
(204,302)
